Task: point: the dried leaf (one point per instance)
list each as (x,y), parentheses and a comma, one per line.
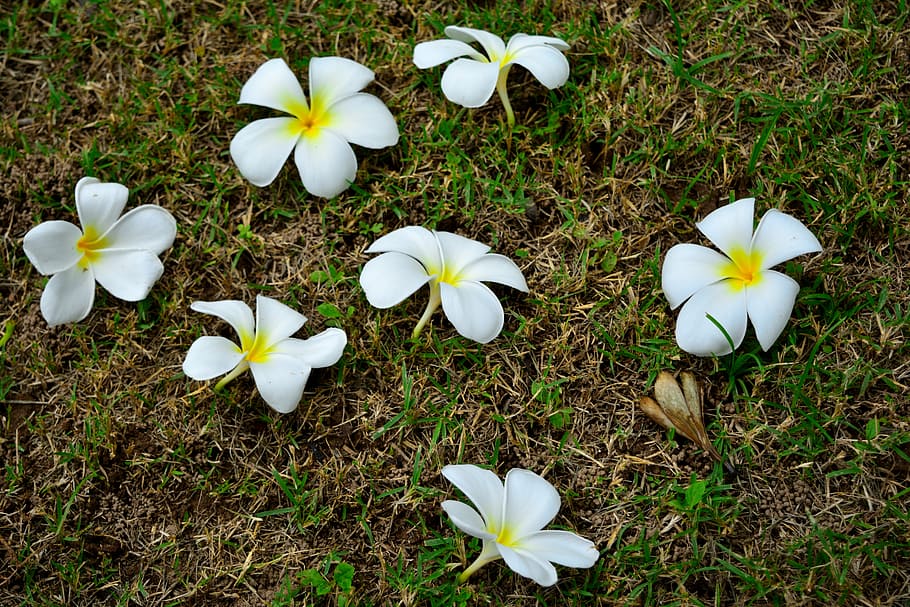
(679,408)
(694,399)
(671,400)
(692,393)
(653,410)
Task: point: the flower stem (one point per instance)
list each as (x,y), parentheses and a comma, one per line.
(240,368)
(435,300)
(504,94)
(489,553)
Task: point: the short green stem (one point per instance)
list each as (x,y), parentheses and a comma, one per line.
(435,300)
(504,94)
(240,368)
(488,554)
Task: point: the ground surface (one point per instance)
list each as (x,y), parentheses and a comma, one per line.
(126,483)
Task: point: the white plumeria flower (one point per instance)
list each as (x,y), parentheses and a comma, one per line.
(454,267)
(510,521)
(320,133)
(121,254)
(280,363)
(470,82)
(737,285)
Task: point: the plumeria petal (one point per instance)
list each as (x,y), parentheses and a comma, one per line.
(262,147)
(561,547)
(730,226)
(68,296)
(334,78)
(482,487)
(127,274)
(494,268)
(458,251)
(326,163)
(489,552)
(697,335)
(530,502)
(390,278)
(688,268)
(527,564)
(234,312)
(492,44)
(473,309)
(747,289)
(526,503)
(770,302)
(280,365)
(522,41)
(466,518)
(420,243)
(780,237)
(547,64)
(99,204)
(415,256)
(148,227)
(120,254)
(470,83)
(281,381)
(364,120)
(319,351)
(211,356)
(274,85)
(51,246)
(437,52)
(276,321)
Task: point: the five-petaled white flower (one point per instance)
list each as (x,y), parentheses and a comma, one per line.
(510,522)
(454,267)
(280,363)
(738,285)
(121,254)
(320,133)
(470,82)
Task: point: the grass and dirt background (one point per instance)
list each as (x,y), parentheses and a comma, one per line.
(126,483)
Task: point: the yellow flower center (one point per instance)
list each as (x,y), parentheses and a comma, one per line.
(448,277)
(443,274)
(89,245)
(494,57)
(258,351)
(504,536)
(743,268)
(309,119)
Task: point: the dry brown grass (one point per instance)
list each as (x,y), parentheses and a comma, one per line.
(126,481)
